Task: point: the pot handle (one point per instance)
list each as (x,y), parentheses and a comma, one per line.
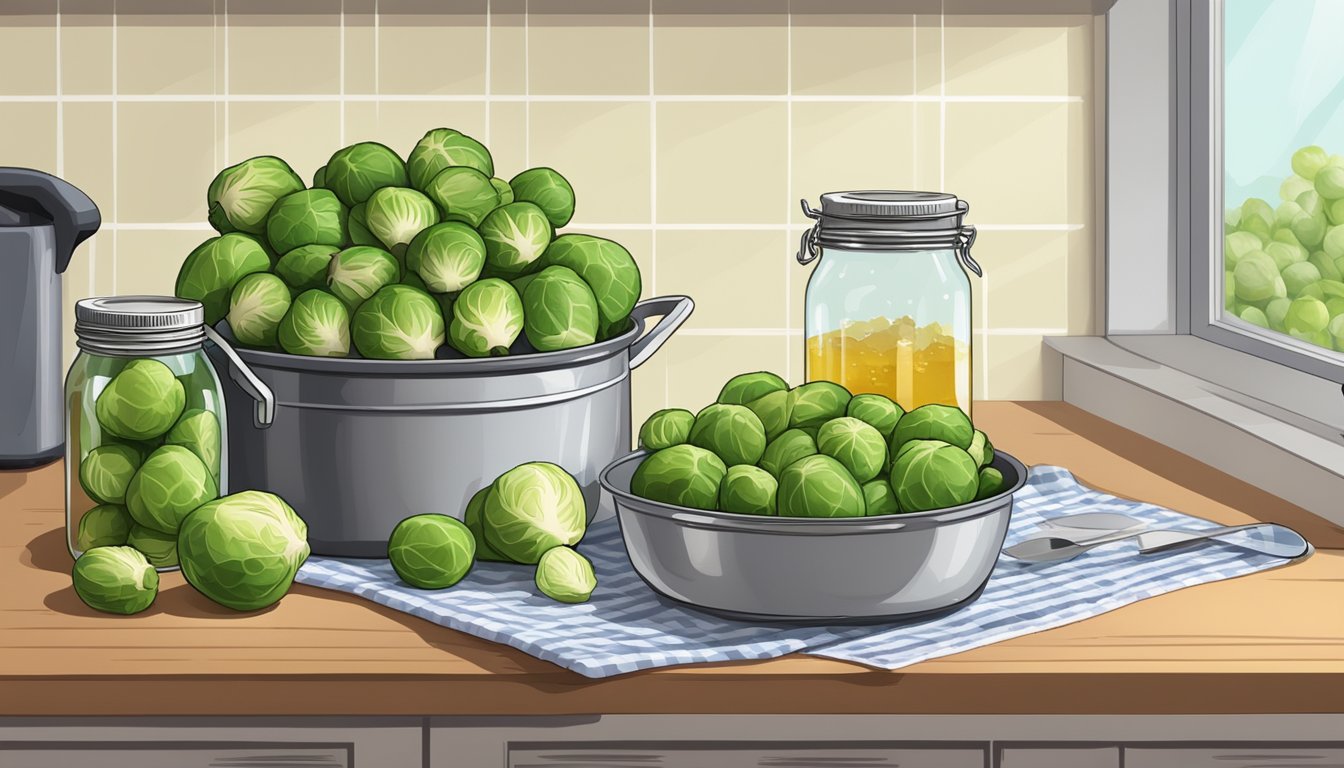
(245,378)
(673,310)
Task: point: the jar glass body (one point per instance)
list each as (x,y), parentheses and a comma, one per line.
(889,322)
(102,482)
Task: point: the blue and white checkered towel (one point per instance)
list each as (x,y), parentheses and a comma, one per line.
(627,627)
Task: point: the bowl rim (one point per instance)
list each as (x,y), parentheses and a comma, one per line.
(626,500)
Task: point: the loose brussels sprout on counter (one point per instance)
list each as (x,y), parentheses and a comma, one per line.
(431,551)
(243,550)
(845,457)
(565,576)
(533,508)
(115,580)
(474,518)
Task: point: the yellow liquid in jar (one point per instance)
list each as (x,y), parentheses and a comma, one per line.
(912,365)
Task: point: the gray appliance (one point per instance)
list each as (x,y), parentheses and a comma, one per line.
(42,220)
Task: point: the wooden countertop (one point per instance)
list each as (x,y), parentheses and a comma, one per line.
(1272,642)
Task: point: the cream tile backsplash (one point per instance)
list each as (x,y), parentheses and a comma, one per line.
(689,128)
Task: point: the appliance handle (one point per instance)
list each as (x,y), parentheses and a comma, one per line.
(245,378)
(673,310)
(74,217)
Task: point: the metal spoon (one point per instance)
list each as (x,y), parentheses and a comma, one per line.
(1271,539)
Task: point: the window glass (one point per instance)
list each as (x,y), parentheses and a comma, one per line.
(1283,169)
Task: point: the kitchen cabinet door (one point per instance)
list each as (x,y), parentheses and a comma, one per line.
(1238,756)
(740,756)
(172,756)
(1058,757)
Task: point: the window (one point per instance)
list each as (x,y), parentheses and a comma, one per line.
(1276,277)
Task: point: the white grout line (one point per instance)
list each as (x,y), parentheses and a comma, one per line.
(377,57)
(228,157)
(537,98)
(165,226)
(612,227)
(488,66)
(527,84)
(1023,331)
(60,105)
(653,165)
(788,265)
(776,332)
(116,149)
(914,89)
(342,76)
(942,95)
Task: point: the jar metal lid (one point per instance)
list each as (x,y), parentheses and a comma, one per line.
(889,220)
(139,325)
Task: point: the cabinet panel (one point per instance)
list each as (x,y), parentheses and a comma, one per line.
(735,756)
(1062,757)
(93,755)
(1241,756)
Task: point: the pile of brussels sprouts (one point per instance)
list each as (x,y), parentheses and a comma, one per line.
(384,258)
(1284,267)
(155,476)
(533,514)
(813,451)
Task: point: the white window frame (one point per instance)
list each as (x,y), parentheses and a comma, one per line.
(1249,401)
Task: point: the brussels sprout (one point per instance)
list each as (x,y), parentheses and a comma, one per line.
(1298,276)
(732,432)
(305,267)
(257,305)
(880,411)
(463,194)
(170,484)
(309,217)
(748,490)
(792,445)
(447,256)
(1334,212)
(141,402)
(358,224)
(396,215)
(106,525)
(1286,213)
(666,428)
(442,148)
(980,449)
(548,190)
(684,475)
(1336,329)
(819,486)
(1308,160)
(1284,254)
(503,189)
(474,518)
(565,575)
(559,311)
(1330,182)
(1256,217)
(1335,307)
(990,483)
(431,551)
(159,548)
(605,265)
(107,470)
(1276,312)
(1311,203)
(242,195)
(1229,292)
(934,422)
(817,402)
(1309,230)
(320,177)
(1307,316)
(1325,265)
(855,444)
(515,236)
(115,580)
(1293,187)
(398,323)
(933,476)
(487,318)
(773,410)
(357,273)
(211,270)
(357,171)
(243,550)
(198,431)
(1333,244)
(879,499)
(317,325)
(532,508)
(747,387)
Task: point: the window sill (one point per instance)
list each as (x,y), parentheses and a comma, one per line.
(1218,406)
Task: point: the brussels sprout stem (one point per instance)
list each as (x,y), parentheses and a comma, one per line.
(499,351)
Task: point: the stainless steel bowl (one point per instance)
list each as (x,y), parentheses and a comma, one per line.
(804,569)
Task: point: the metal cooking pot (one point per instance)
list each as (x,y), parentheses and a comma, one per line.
(357,445)
(815,569)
